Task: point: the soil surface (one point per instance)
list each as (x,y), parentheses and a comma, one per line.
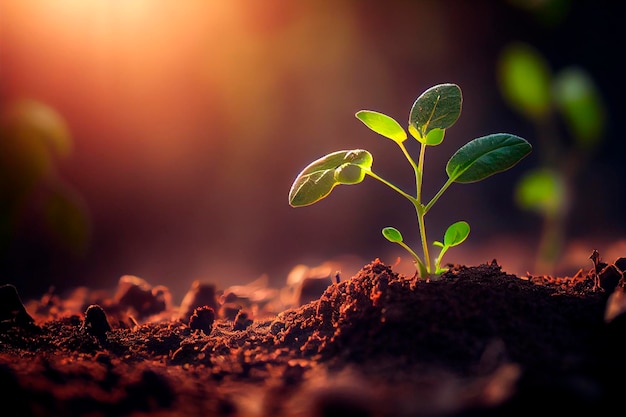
(476,342)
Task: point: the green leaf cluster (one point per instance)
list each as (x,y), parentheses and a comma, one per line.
(432,113)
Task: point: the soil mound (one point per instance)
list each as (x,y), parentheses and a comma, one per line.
(477,341)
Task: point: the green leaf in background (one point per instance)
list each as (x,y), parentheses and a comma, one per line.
(318,178)
(439,107)
(525,80)
(32,134)
(542,191)
(25,162)
(383,125)
(485,156)
(580,103)
(43,121)
(32,137)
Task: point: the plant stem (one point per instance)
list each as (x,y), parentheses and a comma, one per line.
(419,207)
(439,193)
(416,257)
(390,185)
(418,173)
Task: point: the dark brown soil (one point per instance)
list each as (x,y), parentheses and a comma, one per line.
(477,342)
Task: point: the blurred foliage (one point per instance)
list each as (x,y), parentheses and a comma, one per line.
(541,190)
(581,106)
(33,136)
(525,81)
(569,116)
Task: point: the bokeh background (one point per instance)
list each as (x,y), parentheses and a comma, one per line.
(162,137)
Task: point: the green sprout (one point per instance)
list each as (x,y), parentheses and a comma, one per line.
(432,113)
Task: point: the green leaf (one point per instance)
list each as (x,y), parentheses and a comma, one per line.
(439,107)
(525,79)
(349,174)
(456,233)
(543,191)
(318,178)
(485,156)
(580,103)
(383,125)
(392,234)
(435,137)
(32,135)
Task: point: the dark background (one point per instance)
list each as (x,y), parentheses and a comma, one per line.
(190,120)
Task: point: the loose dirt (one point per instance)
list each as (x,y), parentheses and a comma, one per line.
(477,341)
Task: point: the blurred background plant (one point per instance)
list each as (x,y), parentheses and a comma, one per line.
(568,115)
(33,196)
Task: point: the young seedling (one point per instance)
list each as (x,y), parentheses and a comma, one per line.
(432,113)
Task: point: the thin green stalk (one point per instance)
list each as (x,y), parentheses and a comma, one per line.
(419,207)
(408,249)
(422,228)
(439,193)
(390,185)
(417,168)
(420,169)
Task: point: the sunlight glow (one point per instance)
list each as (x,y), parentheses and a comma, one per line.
(134,67)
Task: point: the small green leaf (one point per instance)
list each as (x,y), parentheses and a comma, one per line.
(439,107)
(435,137)
(525,79)
(392,234)
(485,156)
(456,233)
(349,174)
(580,103)
(318,178)
(383,125)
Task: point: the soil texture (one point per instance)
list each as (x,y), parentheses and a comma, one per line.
(475,342)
